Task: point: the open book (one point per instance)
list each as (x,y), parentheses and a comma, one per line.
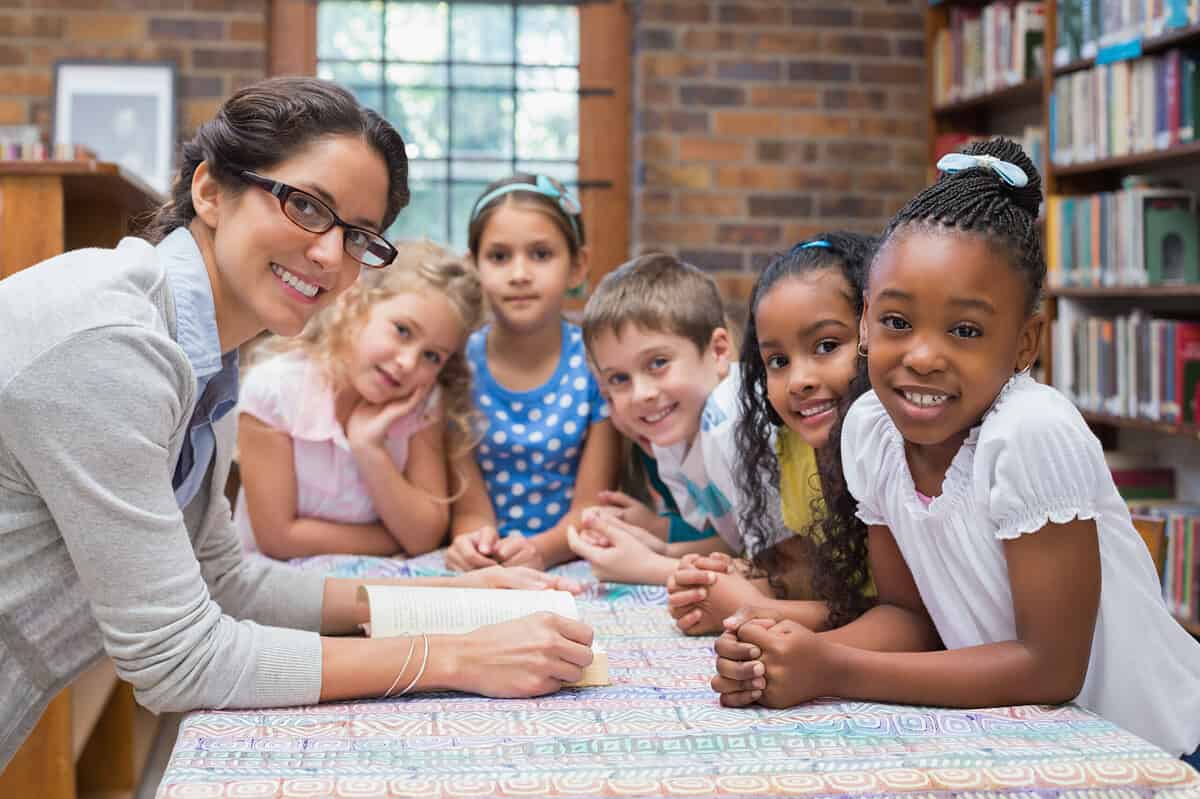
(412,610)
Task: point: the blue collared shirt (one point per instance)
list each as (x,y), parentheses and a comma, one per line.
(216,372)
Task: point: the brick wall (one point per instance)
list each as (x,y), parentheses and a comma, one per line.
(217,45)
(760,123)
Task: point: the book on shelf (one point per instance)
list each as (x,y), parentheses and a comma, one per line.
(1130,365)
(1125,108)
(413,610)
(986,49)
(1143,235)
(1139,479)
(1087,28)
(1180,572)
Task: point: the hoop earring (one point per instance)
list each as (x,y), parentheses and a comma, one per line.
(1025,370)
(862,350)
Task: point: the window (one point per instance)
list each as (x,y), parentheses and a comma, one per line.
(477,89)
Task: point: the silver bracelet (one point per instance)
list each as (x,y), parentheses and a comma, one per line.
(412,645)
(420,671)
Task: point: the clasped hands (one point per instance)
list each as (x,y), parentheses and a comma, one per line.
(762,656)
(484,547)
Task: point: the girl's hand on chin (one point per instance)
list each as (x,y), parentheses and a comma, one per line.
(369,423)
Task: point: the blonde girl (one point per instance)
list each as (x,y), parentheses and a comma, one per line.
(343,433)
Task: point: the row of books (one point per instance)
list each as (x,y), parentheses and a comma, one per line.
(1180,569)
(1125,108)
(1131,365)
(985,49)
(37,151)
(1086,28)
(1142,235)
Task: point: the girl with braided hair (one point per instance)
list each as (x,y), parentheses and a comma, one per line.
(799,362)
(993,523)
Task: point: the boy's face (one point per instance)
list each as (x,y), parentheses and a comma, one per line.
(658,382)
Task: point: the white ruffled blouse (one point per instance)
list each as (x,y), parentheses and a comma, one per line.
(1030,462)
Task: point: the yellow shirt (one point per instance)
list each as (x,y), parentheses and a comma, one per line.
(799,482)
(800,487)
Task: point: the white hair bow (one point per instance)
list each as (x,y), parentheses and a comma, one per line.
(1010,173)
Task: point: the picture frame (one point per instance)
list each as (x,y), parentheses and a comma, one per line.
(124,111)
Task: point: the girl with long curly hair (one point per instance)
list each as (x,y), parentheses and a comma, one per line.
(801,368)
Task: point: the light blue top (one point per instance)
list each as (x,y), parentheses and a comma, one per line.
(534,440)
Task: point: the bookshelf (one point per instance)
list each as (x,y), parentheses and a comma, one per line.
(1002,111)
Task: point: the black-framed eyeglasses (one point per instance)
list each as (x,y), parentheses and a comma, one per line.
(311,214)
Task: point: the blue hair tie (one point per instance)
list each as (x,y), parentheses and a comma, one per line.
(545,186)
(824,245)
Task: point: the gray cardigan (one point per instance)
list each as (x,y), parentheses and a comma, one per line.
(95,554)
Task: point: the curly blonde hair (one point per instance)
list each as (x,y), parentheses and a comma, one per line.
(419,266)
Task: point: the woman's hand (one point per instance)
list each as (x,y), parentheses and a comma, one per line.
(701,600)
(368,423)
(531,656)
(473,550)
(636,513)
(518,577)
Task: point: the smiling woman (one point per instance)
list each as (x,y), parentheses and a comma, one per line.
(119,370)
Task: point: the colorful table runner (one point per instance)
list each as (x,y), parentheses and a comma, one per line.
(656,731)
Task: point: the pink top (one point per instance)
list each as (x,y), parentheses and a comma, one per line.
(924,499)
(290,393)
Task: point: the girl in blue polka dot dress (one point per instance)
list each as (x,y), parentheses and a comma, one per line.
(548,448)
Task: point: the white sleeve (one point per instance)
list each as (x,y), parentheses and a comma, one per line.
(261,393)
(865,433)
(1032,469)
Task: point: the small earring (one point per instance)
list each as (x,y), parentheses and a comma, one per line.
(862,350)
(1025,370)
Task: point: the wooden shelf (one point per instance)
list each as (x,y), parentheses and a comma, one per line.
(1015,96)
(1129,423)
(1125,163)
(1124,292)
(1179,37)
(1191,626)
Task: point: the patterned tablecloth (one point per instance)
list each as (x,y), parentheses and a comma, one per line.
(657,730)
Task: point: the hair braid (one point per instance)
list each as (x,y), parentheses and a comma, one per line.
(977,201)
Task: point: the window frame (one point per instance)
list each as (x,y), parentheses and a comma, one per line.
(605,110)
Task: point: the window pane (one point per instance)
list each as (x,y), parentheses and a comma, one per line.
(480,171)
(468,76)
(410,76)
(566,172)
(548,34)
(548,78)
(349,30)
(483,124)
(420,116)
(364,79)
(462,200)
(482,32)
(425,214)
(548,125)
(416,31)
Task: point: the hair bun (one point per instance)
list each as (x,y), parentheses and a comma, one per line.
(1027,197)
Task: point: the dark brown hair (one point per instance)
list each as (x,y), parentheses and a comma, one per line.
(265,124)
(530,199)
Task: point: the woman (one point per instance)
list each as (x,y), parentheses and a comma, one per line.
(115,369)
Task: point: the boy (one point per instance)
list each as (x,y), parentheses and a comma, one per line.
(655,331)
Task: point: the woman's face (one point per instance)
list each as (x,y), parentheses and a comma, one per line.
(270,274)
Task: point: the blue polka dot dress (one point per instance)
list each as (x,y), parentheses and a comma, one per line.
(533,440)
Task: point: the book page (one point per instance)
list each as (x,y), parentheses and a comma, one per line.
(412,610)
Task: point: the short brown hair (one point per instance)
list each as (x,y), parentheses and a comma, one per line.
(656,292)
